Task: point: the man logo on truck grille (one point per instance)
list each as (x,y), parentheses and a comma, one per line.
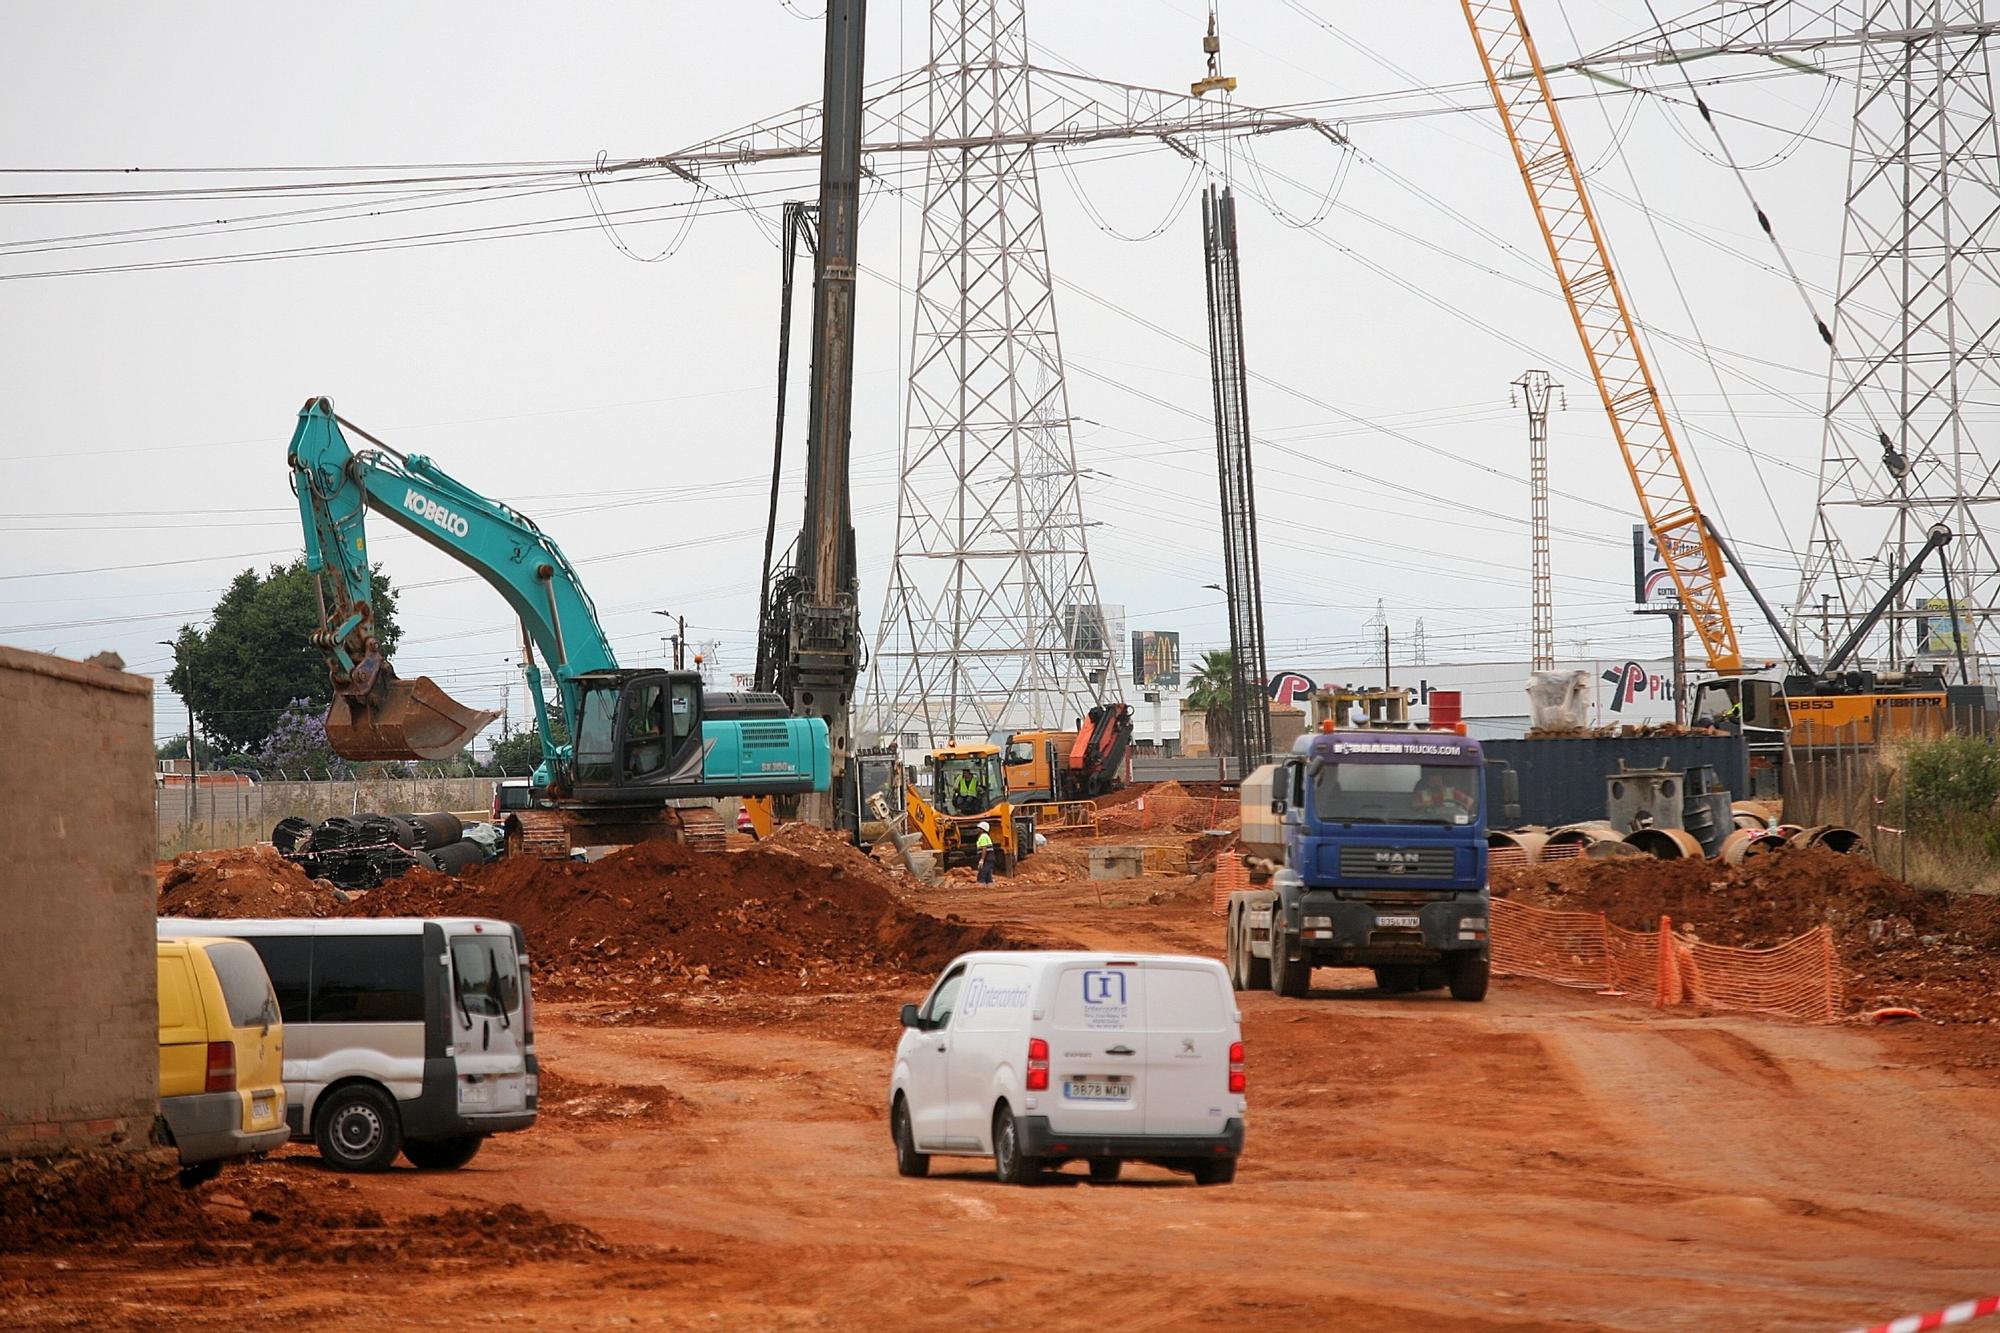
(1393,861)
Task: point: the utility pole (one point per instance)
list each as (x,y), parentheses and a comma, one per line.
(1536,390)
(678,638)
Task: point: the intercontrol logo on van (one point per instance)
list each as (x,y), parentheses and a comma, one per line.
(982,995)
(1101,987)
(431,511)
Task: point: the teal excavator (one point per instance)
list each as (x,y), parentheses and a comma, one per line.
(643,739)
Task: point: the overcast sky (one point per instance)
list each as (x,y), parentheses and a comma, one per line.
(627,406)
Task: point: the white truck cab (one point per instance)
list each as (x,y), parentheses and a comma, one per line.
(1036,1059)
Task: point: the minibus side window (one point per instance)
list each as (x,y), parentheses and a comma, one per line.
(368,979)
(288,958)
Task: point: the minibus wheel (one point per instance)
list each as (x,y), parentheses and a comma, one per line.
(443,1154)
(357,1128)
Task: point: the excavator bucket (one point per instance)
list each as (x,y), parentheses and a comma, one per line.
(402,719)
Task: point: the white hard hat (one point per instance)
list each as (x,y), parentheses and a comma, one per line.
(984,826)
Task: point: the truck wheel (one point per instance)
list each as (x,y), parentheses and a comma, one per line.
(1256,971)
(1010,1166)
(1469,975)
(1289,978)
(909,1162)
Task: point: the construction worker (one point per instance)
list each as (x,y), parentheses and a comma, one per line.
(965,791)
(986,852)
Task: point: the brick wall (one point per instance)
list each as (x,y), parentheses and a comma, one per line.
(79,1016)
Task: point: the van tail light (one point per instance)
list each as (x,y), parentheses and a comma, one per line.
(221,1067)
(1237,1079)
(1038,1065)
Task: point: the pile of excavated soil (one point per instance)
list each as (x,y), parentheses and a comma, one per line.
(280,1211)
(107,1199)
(1936,952)
(573,1100)
(1134,791)
(1169,807)
(802,910)
(239,881)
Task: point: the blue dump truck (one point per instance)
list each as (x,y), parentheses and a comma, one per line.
(1371,846)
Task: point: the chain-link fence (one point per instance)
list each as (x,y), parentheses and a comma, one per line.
(234,810)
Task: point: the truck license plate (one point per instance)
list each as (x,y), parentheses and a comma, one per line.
(1096,1090)
(1398,922)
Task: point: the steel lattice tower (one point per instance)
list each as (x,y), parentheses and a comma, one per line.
(1914,336)
(1536,388)
(991,617)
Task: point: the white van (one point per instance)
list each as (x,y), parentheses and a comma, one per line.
(403,1034)
(1037,1059)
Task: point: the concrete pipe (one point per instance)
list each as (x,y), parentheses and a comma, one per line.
(454,857)
(1531,843)
(1745,843)
(1764,812)
(1833,837)
(1582,835)
(1744,822)
(1615,849)
(1666,844)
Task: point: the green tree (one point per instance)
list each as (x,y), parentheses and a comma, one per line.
(256,657)
(176,747)
(519,751)
(1212,688)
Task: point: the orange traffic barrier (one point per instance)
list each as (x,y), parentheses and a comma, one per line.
(1800,978)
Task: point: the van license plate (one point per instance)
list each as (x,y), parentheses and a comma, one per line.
(1398,922)
(1096,1090)
(260,1103)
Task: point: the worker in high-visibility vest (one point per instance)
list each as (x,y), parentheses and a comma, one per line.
(965,790)
(986,852)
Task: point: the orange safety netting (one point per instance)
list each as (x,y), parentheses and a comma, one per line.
(1799,978)
(1230,875)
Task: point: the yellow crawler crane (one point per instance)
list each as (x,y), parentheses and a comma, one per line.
(1604,322)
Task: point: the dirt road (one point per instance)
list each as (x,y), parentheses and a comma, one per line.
(1541,1160)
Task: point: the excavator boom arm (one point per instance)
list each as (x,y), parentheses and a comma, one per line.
(375,715)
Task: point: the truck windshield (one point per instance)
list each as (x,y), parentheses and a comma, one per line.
(1396,794)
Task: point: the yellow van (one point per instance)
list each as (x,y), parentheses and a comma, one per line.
(222,1057)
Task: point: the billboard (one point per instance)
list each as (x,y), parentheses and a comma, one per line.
(1156,659)
(1652,583)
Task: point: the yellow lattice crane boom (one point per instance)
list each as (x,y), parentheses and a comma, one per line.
(1548,168)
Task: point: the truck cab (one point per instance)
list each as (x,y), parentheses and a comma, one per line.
(1375,842)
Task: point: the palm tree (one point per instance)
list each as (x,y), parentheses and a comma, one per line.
(1212,688)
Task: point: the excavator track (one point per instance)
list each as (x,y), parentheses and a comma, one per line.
(551,835)
(703,830)
(543,834)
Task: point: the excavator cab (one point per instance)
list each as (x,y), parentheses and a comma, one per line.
(637,730)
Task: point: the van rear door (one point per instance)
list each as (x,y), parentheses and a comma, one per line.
(1097,1046)
(488,1020)
(1189,1026)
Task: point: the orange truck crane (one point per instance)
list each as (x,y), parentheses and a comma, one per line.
(1814,706)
